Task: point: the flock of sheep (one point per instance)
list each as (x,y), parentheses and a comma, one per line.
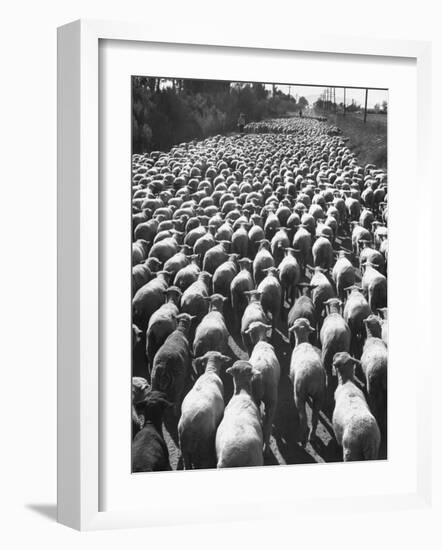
(259,303)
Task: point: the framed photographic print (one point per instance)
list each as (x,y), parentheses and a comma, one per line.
(231,245)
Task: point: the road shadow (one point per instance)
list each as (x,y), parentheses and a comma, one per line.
(286,426)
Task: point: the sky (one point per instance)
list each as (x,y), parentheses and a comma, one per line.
(313,92)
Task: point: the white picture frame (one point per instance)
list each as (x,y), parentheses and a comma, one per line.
(79,258)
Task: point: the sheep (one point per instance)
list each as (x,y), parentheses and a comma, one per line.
(204,243)
(171,365)
(240,240)
(322,251)
(241,283)
(254,312)
(375,285)
(224,232)
(279,243)
(322,290)
(359,233)
(356,429)
(149,450)
(164,249)
(335,335)
(309,223)
(239,438)
(271,294)
(374,361)
(332,223)
(148,299)
(302,242)
(370,255)
(223,191)
(216,256)
(194,234)
(201,412)
(343,274)
(262,261)
(146,230)
(255,236)
(383,311)
(178,261)
(162,323)
(308,378)
(141,274)
(193,300)
(303,307)
(140,367)
(265,387)
(187,274)
(353,208)
(271,225)
(356,309)
(289,275)
(140,391)
(139,251)
(224,275)
(211,334)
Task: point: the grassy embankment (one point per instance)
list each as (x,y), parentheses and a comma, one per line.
(369,140)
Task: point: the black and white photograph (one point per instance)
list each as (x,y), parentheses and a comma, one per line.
(259,274)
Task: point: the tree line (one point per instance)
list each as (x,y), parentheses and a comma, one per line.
(167,111)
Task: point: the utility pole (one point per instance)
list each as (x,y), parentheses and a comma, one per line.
(365,110)
(334,98)
(345,90)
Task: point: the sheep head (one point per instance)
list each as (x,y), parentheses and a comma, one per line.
(184,321)
(373,326)
(212,360)
(245,263)
(155,404)
(242,373)
(302,328)
(173,294)
(333,305)
(216,302)
(253,295)
(344,365)
(258,331)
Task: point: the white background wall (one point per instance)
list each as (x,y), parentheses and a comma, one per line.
(28,267)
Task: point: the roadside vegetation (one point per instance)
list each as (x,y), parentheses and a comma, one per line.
(166,112)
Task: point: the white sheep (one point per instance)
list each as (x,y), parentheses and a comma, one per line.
(212,334)
(308,377)
(335,334)
(239,438)
(201,412)
(374,362)
(355,428)
(265,387)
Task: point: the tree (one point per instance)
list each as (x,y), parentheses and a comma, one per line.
(384,106)
(303,102)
